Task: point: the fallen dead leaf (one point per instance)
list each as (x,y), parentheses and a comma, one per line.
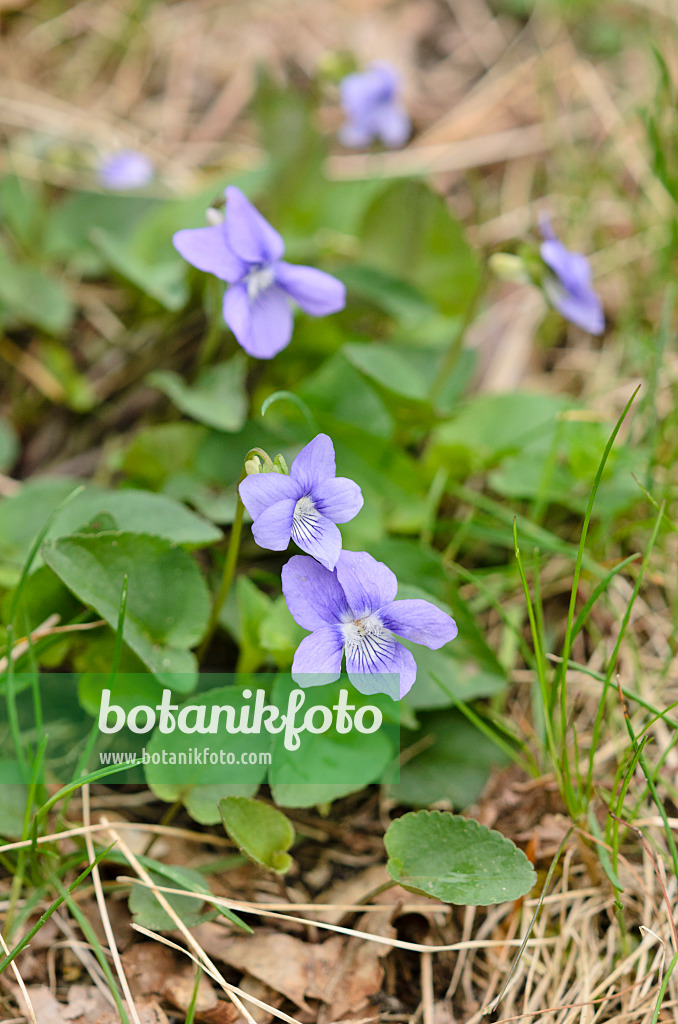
(148,965)
(86,1003)
(254,987)
(178,987)
(221,1013)
(281,961)
(348,891)
(150,1012)
(46,1006)
(358,974)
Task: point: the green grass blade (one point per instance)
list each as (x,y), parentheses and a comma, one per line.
(560,681)
(13,954)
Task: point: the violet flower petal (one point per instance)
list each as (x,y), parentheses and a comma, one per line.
(206,249)
(367,583)
(314,462)
(392,124)
(318,537)
(270,324)
(370,101)
(570,291)
(361,91)
(272,529)
(313,594)
(420,621)
(316,292)
(573,269)
(585,310)
(237,313)
(249,234)
(354,135)
(126,169)
(377,674)
(263,489)
(317,660)
(262,327)
(339,499)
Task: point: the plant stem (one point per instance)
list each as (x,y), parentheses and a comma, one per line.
(167,819)
(227,576)
(457,344)
(231,554)
(215,330)
(662,988)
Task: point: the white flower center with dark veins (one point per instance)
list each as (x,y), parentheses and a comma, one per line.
(258,280)
(305,517)
(366,640)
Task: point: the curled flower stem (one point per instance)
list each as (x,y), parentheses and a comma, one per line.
(231,557)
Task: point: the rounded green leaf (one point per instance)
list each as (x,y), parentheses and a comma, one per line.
(149,913)
(410,233)
(167,598)
(262,832)
(216,398)
(201,785)
(135,511)
(456,859)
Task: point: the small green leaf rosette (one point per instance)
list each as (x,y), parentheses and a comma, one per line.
(455,859)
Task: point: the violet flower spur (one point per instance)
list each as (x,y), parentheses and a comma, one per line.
(570,290)
(373,111)
(352,610)
(246,251)
(304,506)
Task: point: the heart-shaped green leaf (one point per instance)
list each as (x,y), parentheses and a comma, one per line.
(455,859)
(167,598)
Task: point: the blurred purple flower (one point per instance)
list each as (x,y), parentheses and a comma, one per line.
(570,290)
(352,610)
(127,169)
(373,111)
(246,252)
(305,505)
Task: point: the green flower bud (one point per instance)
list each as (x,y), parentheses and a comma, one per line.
(508,267)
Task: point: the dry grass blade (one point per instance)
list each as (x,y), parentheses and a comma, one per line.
(83,830)
(216,976)
(83,952)
(233,994)
(103,912)
(648,851)
(427,997)
(33,370)
(510,144)
(254,908)
(20,982)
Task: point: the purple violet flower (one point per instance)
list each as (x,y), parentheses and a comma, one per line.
(373,111)
(246,252)
(570,290)
(352,610)
(127,169)
(305,505)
